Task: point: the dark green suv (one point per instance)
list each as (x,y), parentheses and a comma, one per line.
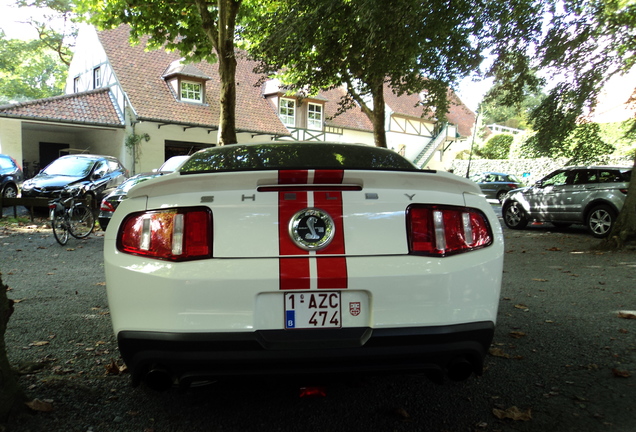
(590,195)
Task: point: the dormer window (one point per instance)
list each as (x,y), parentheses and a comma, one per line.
(191,92)
(314,116)
(287,112)
(186,81)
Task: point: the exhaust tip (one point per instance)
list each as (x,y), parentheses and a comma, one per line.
(159,379)
(459,369)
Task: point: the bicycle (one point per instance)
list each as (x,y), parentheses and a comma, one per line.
(69,215)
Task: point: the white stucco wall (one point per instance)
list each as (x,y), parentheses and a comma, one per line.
(11,139)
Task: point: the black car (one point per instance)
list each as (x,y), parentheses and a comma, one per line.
(95,172)
(113,197)
(11,177)
(496,185)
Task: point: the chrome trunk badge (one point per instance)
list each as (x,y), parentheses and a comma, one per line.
(311,229)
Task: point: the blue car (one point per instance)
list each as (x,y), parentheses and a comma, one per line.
(11,177)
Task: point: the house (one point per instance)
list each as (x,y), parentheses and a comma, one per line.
(146,106)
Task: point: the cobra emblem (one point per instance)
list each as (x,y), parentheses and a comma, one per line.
(311,228)
(311,235)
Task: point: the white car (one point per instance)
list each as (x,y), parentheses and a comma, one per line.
(300,257)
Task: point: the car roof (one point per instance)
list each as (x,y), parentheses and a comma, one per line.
(88,156)
(597,167)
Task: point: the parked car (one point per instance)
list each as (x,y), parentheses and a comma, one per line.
(11,177)
(302,257)
(95,172)
(111,200)
(496,185)
(573,195)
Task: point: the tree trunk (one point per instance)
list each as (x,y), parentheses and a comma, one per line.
(221,35)
(11,396)
(227,120)
(379,112)
(624,230)
(375,115)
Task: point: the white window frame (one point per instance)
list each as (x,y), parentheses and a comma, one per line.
(192,93)
(314,118)
(97,77)
(76,84)
(287,111)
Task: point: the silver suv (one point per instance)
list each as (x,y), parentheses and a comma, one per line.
(573,195)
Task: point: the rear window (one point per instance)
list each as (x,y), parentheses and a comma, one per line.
(294,155)
(614,175)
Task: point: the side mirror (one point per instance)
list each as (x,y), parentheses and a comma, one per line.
(97,176)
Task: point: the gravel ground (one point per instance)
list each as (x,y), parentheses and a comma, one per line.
(563,355)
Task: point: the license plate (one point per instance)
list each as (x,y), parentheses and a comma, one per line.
(305,310)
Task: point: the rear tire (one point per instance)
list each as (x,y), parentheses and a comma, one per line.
(600,221)
(82,221)
(501,195)
(514,215)
(60,231)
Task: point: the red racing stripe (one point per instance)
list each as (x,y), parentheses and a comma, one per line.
(294,272)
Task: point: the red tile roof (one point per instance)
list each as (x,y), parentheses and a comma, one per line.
(406,105)
(93,107)
(140,74)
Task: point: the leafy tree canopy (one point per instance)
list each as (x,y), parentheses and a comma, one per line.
(28,70)
(414,46)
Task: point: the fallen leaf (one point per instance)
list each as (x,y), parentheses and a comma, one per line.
(498,352)
(101,284)
(513,413)
(621,373)
(539,280)
(39,343)
(627,314)
(113,368)
(516,334)
(521,306)
(554,249)
(39,405)
(401,412)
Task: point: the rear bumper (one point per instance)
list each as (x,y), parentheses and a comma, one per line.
(188,357)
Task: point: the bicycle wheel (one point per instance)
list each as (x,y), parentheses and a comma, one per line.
(81,221)
(60,229)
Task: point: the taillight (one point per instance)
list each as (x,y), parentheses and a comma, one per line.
(107,206)
(444,230)
(624,191)
(174,235)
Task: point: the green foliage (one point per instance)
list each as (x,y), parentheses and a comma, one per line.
(583,145)
(29,70)
(497,147)
(57,30)
(495,107)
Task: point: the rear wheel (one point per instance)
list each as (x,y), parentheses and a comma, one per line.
(82,221)
(514,215)
(60,229)
(600,221)
(500,195)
